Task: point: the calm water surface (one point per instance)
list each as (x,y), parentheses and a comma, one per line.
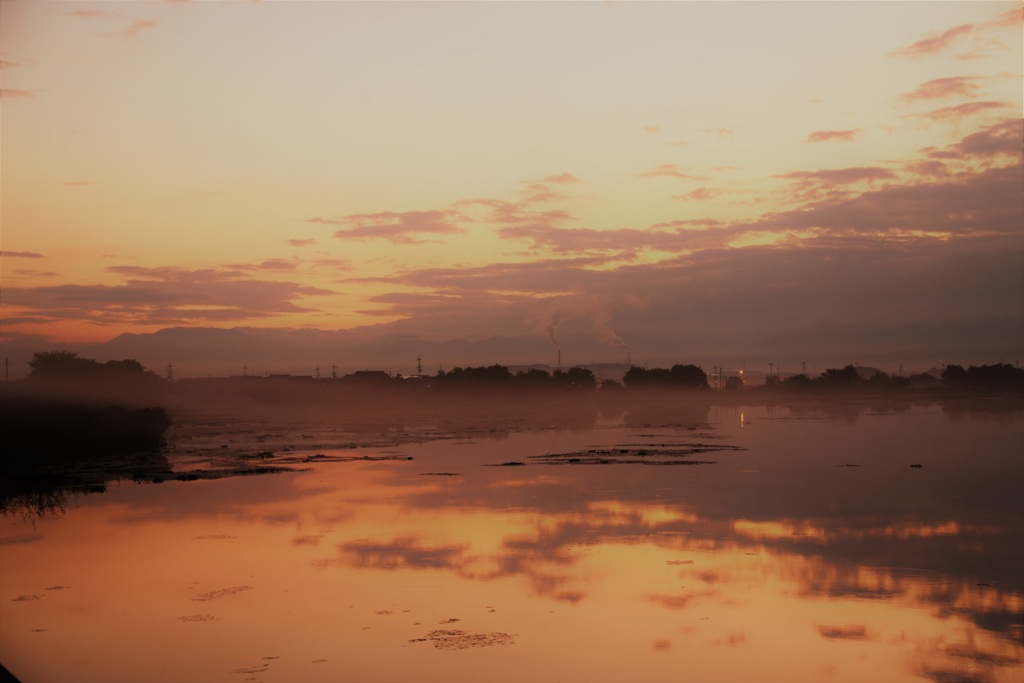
(795,544)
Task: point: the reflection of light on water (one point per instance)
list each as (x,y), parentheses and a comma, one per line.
(618,513)
(726,583)
(770,530)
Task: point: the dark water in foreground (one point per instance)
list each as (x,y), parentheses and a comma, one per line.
(717,544)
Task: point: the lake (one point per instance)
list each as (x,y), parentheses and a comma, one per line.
(681,539)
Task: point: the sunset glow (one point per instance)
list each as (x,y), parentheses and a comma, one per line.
(679,178)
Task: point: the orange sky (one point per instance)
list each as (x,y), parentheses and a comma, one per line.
(653,175)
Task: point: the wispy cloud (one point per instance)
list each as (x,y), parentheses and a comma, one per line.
(91,14)
(20,254)
(936,43)
(165,296)
(832,135)
(137,28)
(17,93)
(1002,139)
(977,35)
(700,194)
(669,171)
(562,179)
(277,265)
(79,183)
(841,176)
(652,129)
(720,133)
(942,88)
(397,227)
(959,111)
(7,63)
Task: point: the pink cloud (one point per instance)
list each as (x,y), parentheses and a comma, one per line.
(928,169)
(164,296)
(935,44)
(841,176)
(397,227)
(562,179)
(16,93)
(830,135)
(669,171)
(279,265)
(578,240)
(505,213)
(90,14)
(24,272)
(652,129)
(20,254)
(700,194)
(978,34)
(982,203)
(1002,139)
(959,111)
(540,192)
(138,27)
(6,63)
(302,242)
(941,88)
(1009,19)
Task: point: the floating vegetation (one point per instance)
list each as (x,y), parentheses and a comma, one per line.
(843,632)
(461,640)
(654,454)
(251,670)
(213,595)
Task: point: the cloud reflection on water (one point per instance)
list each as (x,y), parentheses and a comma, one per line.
(776,548)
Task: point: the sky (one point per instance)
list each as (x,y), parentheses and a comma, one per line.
(674,180)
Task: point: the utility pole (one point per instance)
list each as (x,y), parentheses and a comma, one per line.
(245,370)
(334,371)
(170,372)
(318,372)
(419,366)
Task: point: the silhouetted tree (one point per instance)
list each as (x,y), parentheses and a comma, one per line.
(610,385)
(59,364)
(846,377)
(801,381)
(689,377)
(580,379)
(680,376)
(733,382)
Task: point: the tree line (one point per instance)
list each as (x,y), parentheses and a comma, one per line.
(65,367)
